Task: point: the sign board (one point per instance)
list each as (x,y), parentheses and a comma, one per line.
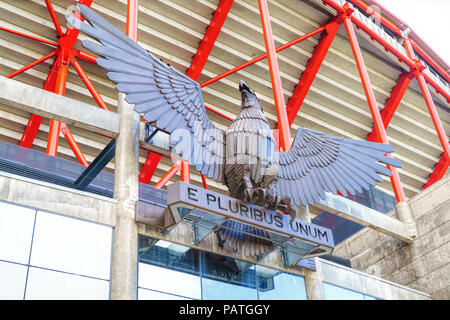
(183,198)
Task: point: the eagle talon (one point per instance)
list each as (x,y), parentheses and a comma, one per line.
(248,194)
(261,196)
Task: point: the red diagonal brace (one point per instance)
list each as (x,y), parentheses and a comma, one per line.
(392,102)
(71,34)
(169,174)
(381,132)
(149,167)
(200,58)
(439,171)
(207,43)
(35,120)
(261,57)
(419,67)
(55,126)
(31,65)
(312,68)
(54,18)
(73,145)
(285,134)
(88,83)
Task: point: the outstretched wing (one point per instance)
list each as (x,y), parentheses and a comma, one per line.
(167,98)
(319,163)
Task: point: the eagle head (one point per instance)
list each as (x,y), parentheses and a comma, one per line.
(248,96)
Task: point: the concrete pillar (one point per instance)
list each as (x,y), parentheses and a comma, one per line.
(405,215)
(313,279)
(125,244)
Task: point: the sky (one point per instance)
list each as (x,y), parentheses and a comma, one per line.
(429,19)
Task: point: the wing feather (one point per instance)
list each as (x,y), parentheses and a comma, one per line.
(168,98)
(319,163)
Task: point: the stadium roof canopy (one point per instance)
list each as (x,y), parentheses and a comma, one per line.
(174,30)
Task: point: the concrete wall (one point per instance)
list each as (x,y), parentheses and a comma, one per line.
(52,198)
(86,206)
(424,264)
(368,284)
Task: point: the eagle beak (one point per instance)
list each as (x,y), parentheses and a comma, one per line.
(243,86)
(246,93)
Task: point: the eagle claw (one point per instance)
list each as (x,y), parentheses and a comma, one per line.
(248,194)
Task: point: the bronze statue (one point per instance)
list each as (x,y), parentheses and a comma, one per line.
(243,157)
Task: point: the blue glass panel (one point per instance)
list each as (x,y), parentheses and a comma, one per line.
(343,228)
(333,292)
(12,280)
(277,285)
(227,278)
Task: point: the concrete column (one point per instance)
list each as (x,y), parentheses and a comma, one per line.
(313,279)
(125,245)
(405,215)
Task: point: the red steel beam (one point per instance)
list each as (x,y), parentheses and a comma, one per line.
(185,172)
(204,182)
(434,115)
(312,68)
(285,134)
(398,31)
(31,65)
(261,57)
(80,54)
(360,25)
(207,43)
(88,83)
(439,171)
(149,167)
(169,174)
(55,126)
(69,38)
(428,99)
(35,120)
(54,18)
(56,82)
(85,56)
(388,47)
(53,137)
(73,145)
(379,127)
(430,60)
(393,102)
(30,131)
(365,7)
(249,63)
(437,87)
(55,44)
(132,19)
(199,61)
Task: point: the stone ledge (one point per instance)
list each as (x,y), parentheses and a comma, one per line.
(52,198)
(365,216)
(368,284)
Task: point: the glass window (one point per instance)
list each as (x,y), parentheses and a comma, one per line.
(71,245)
(276,285)
(145,294)
(227,278)
(333,292)
(46,284)
(12,281)
(169,268)
(219,290)
(170,281)
(16,231)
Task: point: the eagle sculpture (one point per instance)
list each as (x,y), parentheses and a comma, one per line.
(243,157)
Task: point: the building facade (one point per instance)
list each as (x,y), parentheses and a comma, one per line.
(59,114)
